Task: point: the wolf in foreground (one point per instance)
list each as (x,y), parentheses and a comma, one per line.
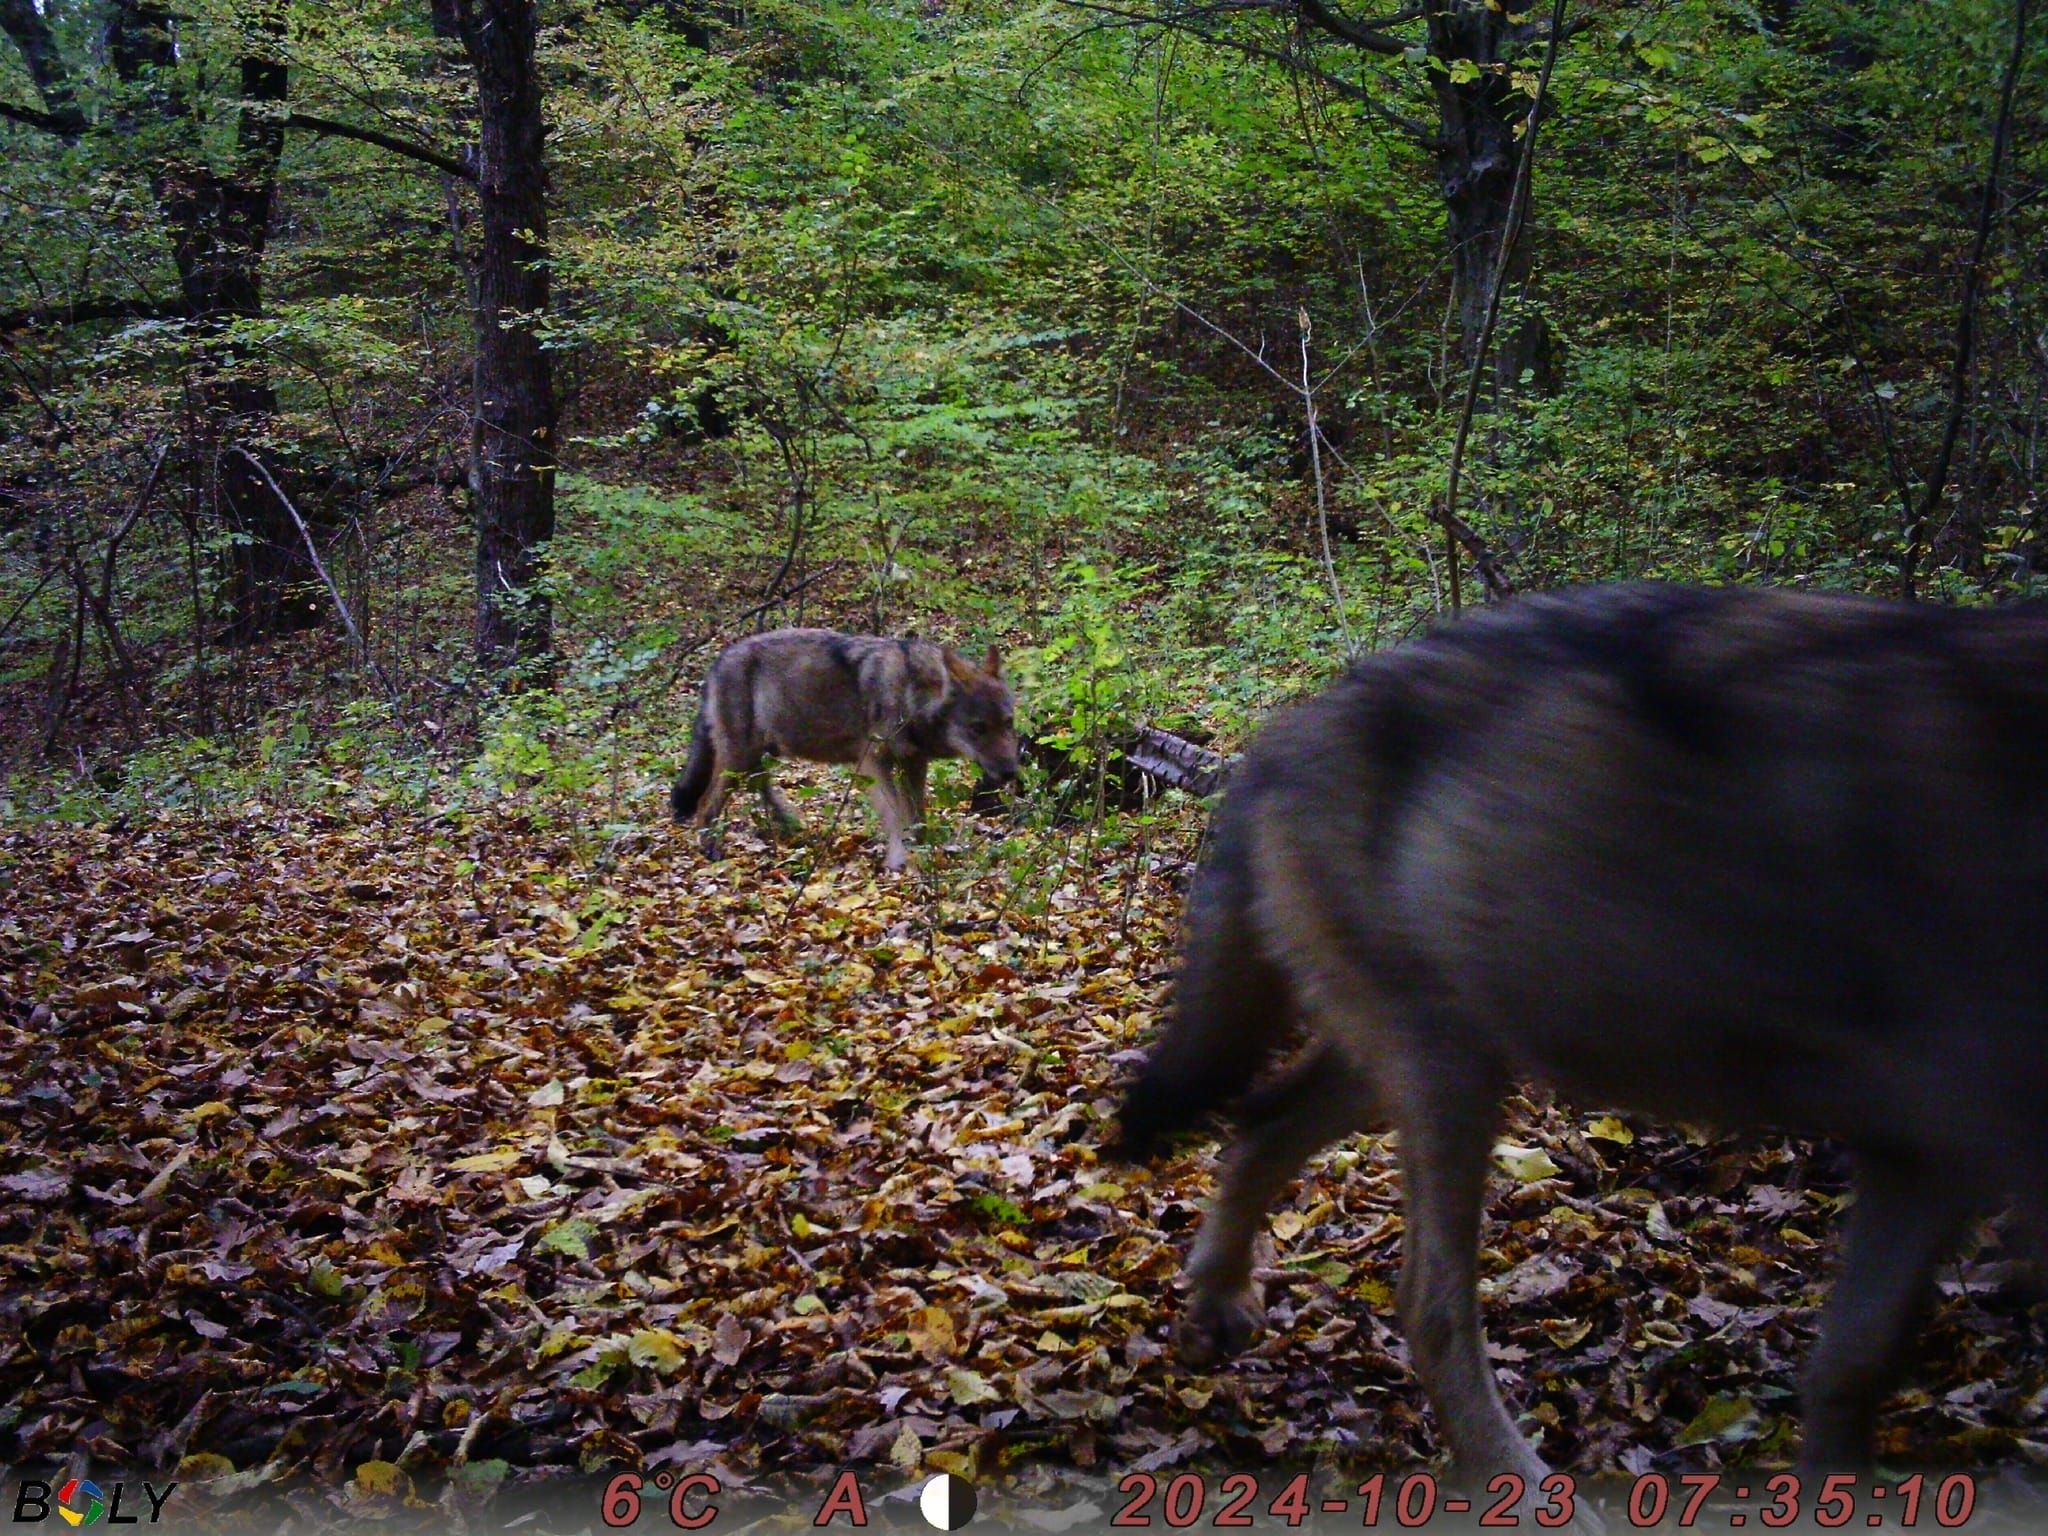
(1746,857)
(886,706)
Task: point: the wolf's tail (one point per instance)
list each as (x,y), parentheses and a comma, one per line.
(1231,1009)
(696,775)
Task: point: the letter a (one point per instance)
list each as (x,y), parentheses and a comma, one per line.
(844,1499)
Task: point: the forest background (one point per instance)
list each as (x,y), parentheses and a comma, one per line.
(400,402)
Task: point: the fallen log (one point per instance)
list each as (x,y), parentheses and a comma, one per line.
(1135,767)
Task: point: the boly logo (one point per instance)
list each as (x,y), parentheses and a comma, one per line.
(79,1502)
(82,1502)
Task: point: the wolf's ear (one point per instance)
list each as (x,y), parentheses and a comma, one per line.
(957,669)
(992,663)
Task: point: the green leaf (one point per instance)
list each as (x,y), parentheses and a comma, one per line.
(570,1237)
(1725,1417)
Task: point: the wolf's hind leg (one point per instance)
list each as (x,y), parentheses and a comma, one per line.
(1316,1100)
(1905,1217)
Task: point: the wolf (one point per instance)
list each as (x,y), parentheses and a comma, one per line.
(886,706)
(1751,858)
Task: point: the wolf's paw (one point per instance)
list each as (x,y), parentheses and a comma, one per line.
(1214,1328)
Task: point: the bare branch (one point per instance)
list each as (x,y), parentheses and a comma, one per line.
(1357,34)
(1415,128)
(24,22)
(1315,454)
(451,165)
(48,122)
(102,307)
(320,568)
(1193,19)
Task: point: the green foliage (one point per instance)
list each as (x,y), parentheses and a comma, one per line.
(984,321)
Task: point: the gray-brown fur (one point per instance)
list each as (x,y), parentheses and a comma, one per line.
(1742,857)
(887,707)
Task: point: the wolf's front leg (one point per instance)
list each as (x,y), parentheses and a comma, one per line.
(913,772)
(884,796)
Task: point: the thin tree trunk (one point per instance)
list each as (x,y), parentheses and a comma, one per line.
(515,407)
(1919,530)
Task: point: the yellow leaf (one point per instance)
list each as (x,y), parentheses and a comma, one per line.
(970,1387)
(1564,1334)
(932,1333)
(1607,1128)
(488,1162)
(1525,1164)
(656,1347)
(1377,1294)
(214,1109)
(908,1449)
(382,1480)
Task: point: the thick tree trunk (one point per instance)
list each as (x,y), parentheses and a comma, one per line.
(514,472)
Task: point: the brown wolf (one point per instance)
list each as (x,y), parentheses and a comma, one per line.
(886,706)
(1746,857)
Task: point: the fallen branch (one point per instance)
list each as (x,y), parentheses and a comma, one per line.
(1176,762)
(1136,765)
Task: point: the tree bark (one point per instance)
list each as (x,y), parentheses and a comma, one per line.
(515,408)
(1476,155)
(219,226)
(25,23)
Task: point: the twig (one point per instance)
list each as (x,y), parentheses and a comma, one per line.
(1518,207)
(1966,319)
(22,607)
(1315,457)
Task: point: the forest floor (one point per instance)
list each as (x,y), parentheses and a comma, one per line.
(348,1148)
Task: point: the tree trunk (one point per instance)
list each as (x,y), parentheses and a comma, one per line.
(1476,155)
(25,23)
(515,409)
(219,226)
